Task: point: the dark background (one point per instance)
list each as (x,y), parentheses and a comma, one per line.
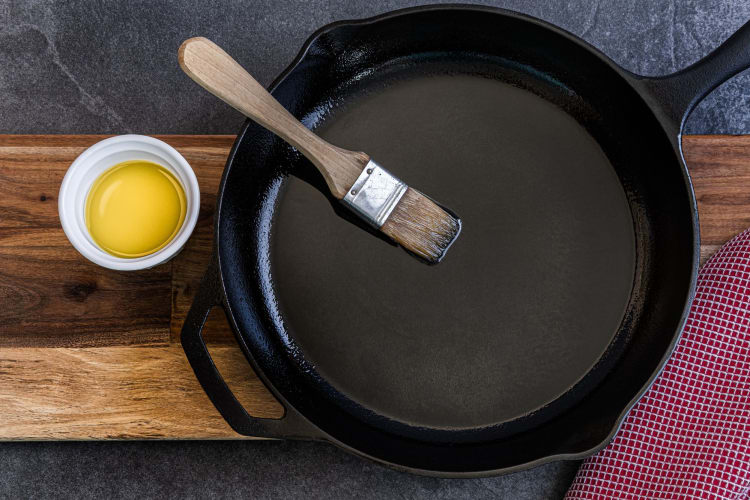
(110,67)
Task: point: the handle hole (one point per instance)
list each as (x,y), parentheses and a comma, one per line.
(235,369)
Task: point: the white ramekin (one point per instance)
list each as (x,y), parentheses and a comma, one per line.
(98,158)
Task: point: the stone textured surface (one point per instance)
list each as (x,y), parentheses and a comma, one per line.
(86,67)
(109,67)
(229,469)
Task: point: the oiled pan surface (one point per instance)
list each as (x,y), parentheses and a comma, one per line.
(527,300)
(554,309)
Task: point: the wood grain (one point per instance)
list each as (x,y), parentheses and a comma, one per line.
(87,353)
(50,295)
(720,169)
(188,266)
(118,393)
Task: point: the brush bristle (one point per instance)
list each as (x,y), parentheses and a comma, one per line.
(420,226)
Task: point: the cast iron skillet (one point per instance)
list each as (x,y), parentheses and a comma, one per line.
(561,300)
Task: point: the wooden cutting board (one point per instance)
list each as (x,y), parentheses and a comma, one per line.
(88,353)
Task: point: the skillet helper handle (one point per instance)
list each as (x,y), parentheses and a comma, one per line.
(209,295)
(679,92)
(216,71)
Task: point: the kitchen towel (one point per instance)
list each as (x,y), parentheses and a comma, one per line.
(688,437)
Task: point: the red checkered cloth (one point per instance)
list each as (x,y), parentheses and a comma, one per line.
(689,436)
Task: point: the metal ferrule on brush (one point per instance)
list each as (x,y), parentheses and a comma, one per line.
(375,194)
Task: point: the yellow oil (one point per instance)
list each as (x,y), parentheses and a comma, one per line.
(135,208)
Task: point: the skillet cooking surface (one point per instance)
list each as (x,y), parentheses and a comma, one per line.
(579,248)
(527,300)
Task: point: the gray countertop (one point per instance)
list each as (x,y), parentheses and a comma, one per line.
(110,67)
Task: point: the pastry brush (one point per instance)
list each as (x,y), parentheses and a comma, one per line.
(402,213)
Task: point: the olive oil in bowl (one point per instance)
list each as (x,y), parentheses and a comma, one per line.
(135,209)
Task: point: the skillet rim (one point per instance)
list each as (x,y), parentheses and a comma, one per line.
(673,133)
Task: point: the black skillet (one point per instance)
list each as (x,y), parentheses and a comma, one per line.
(554,310)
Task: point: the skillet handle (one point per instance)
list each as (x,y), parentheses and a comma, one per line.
(291,426)
(680,92)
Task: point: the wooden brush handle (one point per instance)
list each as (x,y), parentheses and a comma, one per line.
(216,71)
